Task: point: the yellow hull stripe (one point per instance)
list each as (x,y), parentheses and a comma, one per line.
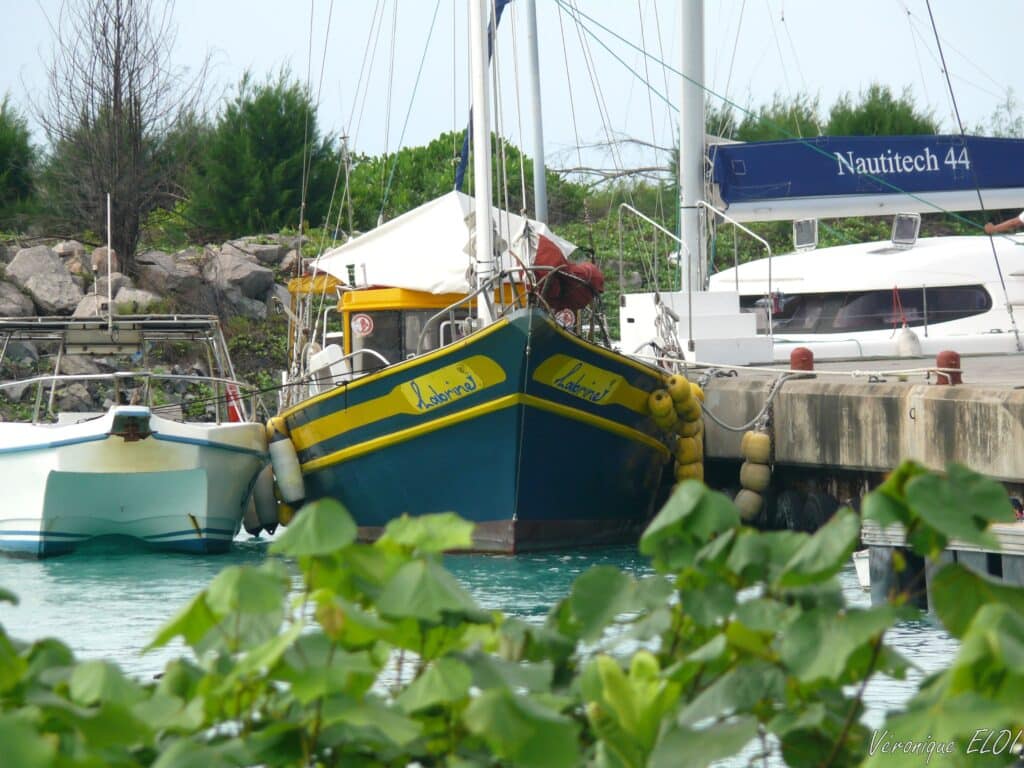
(509,401)
(414,397)
(399,367)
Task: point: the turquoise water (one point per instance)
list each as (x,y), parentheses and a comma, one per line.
(109,603)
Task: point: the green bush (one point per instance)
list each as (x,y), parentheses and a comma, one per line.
(740,641)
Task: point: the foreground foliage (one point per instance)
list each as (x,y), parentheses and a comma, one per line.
(740,642)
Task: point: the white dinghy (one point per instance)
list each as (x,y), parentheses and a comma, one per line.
(140,469)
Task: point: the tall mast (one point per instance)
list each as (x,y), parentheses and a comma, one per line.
(484,252)
(540,184)
(691,140)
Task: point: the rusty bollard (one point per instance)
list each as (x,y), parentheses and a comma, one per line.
(801,359)
(948,359)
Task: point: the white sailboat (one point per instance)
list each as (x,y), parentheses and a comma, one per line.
(138,472)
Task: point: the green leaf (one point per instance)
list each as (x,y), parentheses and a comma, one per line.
(737,691)
(763,614)
(425,591)
(960,504)
(22,746)
(709,603)
(491,671)
(243,589)
(8,597)
(191,623)
(824,553)
(319,528)
(12,666)
(704,746)
(94,682)
(958,593)
(885,509)
(818,644)
(370,713)
(316,668)
(598,596)
(691,517)
(162,712)
(445,681)
(519,729)
(186,753)
(441,532)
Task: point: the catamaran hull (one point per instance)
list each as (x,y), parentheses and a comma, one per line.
(538,437)
(180,488)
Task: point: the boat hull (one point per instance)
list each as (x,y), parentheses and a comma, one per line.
(539,438)
(182,487)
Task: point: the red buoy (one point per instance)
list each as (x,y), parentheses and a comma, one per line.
(801,359)
(948,359)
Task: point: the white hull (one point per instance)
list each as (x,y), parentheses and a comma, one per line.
(182,487)
(862,564)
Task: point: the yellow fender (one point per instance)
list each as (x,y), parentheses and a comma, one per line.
(697,391)
(690,410)
(755,477)
(749,503)
(756,447)
(690,472)
(659,403)
(689,450)
(678,389)
(667,421)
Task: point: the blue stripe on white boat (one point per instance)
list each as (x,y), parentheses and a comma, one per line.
(54,444)
(191,532)
(44,534)
(210,444)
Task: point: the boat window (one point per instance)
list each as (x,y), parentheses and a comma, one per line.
(441,331)
(791,313)
(887,309)
(380,331)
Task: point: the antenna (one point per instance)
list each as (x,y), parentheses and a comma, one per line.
(110,282)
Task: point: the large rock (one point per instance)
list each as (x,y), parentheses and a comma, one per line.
(41,272)
(117,282)
(73,254)
(227,269)
(79,365)
(243,305)
(179,276)
(288,264)
(134,300)
(14,303)
(93,305)
(75,397)
(264,253)
(281,293)
(98,261)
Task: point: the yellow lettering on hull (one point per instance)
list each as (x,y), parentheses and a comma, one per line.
(590,383)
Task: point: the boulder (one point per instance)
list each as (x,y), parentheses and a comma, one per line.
(264,253)
(69,249)
(14,303)
(93,305)
(15,391)
(243,305)
(134,300)
(98,261)
(278,292)
(117,282)
(227,269)
(79,365)
(289,261)
(40,271)
(22,352)
(180,276)
(74,397)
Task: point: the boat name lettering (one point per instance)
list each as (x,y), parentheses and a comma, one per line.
(586,382)
(890,162)
(442,387)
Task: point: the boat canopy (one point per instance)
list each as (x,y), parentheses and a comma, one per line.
(833,176)
(429,248)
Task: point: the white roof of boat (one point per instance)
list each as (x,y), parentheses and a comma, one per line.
(932,261)
(427,249)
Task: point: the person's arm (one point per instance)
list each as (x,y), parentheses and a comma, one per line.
(1004,226)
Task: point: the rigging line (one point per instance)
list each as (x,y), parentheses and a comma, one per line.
(778,48)
(779,128)
(799,69)
(373,58)
(659,203)
(408,112)
(305,139)
(962,55)
(455,67)
(977,183)
(732,63)
(568,79)
(917,52)
(360,83)
(519,113)
(387,108)
(500,147)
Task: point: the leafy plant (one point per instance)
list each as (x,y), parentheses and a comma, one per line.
(741,641)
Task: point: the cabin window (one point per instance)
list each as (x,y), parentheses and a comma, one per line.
(857,311)
(380,331)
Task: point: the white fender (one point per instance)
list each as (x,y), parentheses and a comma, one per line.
(264,502)
(250,519)
(287,473)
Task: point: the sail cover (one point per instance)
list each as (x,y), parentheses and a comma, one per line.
(430,248)
(865,175)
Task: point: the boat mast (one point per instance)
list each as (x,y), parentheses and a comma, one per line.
(691,141)
(484,252)
(540,184)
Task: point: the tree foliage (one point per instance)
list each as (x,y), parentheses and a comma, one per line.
(741,641)
(17,166)
(114,101)
(793,118)
(879,113)
(249,176)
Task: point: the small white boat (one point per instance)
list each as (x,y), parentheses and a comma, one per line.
(862,564)
(135,470)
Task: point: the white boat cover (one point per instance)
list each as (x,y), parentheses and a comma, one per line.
(430,248)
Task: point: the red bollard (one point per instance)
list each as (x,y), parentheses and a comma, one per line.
(948,359)
(801,359)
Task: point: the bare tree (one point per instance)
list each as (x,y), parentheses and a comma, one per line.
(114,115)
